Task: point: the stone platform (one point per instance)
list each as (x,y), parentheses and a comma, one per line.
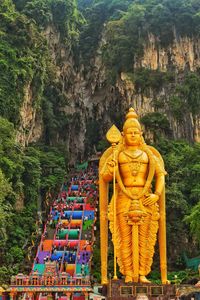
(119,290)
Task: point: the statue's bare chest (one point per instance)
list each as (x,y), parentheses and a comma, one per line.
(133,157)
(133,165)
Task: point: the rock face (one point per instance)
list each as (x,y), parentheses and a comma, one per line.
(183,54)
(188,128)
(84,93)
(30,129)
(90,97)
(180,57)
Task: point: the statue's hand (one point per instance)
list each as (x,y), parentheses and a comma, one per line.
(112,164)
(150,200)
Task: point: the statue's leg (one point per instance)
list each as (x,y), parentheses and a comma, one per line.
(143,244)
(126,246)
(147,239)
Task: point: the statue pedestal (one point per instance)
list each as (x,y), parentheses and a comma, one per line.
(119,290)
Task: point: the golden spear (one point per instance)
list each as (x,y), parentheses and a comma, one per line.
(114,136)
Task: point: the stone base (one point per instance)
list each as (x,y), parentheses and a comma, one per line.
(119,290)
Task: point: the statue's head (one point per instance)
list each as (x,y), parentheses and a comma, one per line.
(132,130)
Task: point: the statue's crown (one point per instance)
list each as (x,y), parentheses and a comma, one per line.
(131,114)
(131,120)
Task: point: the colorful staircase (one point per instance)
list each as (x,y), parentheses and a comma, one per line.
(63,259)
(72,218)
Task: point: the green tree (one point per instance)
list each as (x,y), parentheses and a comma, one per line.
(5,208)
(31,175)
(193,220)
(157,123)
(23,61)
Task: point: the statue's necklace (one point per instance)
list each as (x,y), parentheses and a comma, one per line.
(133,154)
(135,162)
(135,167)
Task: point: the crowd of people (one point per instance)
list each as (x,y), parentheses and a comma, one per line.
(70,221)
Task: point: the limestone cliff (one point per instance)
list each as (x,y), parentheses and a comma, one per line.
(88,95)
(79,90)
(30,129)
(188,128)
(183,54)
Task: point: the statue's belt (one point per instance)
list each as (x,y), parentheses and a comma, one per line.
(134,186)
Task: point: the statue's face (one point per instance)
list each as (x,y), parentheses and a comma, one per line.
(132,136)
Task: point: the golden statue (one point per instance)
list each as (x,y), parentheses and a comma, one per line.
(137,208)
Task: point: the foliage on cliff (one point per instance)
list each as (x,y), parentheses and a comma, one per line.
(167,20)
(97,13)
(64,15)
(23,61)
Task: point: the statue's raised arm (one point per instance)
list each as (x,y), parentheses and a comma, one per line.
(136,211)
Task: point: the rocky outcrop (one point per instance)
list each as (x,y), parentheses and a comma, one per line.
(30,129)
(183,54)
(139,101)
(83,91)
(188,128)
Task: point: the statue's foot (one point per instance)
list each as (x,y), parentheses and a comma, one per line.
(166,282)
(128,279)
(143,279)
